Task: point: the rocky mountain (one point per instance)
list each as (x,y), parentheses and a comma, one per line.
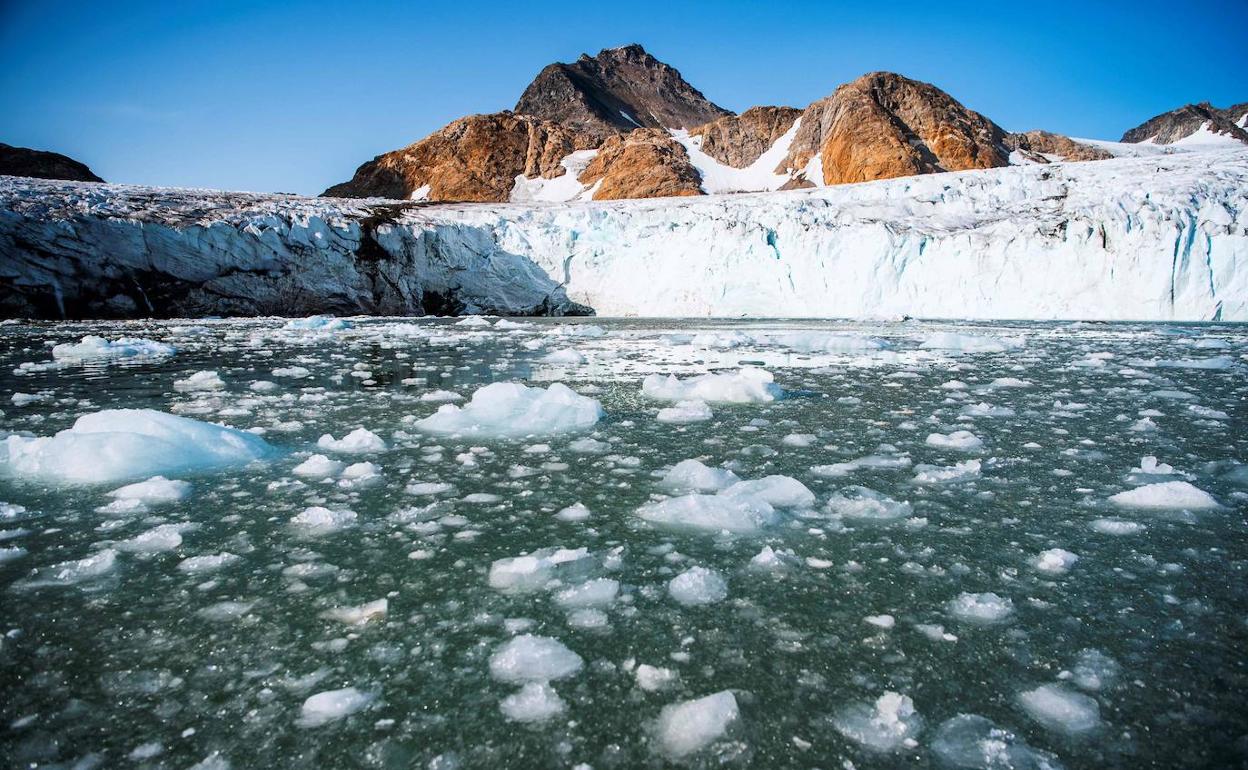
(883,125)
(21,161)
(1192,120)
(618,90)
(739,140)
(623,124)
(476,158)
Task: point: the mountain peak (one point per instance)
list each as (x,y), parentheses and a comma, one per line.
(1175,125)
(616,91)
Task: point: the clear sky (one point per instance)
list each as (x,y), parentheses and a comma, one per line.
(292,96)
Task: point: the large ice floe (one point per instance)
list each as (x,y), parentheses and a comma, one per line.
(512,410)
(95,349)
(119,444)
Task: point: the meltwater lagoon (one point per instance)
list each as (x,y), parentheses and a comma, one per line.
(460,543)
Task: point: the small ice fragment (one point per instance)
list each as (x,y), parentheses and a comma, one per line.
(981,609)
(332,705)
(697,586)
(688,726)
(534,702)
(1166,495)
(888,724)
(1060,709)
(358,441)
(529,658)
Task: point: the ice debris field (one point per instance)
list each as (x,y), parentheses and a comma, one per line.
(484,542)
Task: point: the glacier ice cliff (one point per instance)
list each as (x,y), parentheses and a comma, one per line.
(1148,238)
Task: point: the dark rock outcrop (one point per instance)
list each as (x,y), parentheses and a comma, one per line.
(739,140)
(647,163)
(476,158)
(615,92)
(1170,127)
(883,125)
(1038,144)
(21,161)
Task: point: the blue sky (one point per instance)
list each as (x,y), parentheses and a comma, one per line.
(292,96)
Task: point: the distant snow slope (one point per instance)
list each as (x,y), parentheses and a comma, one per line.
(1160,237)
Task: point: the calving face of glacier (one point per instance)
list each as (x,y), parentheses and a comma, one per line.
(1150,238)
(1130,238)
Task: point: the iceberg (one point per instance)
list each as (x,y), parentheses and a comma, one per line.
(122,444)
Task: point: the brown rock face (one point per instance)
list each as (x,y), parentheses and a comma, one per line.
(615,92)
(739,140)
(883,125)
(1037,144)
(1178,124)
(646,163)
(21,161)
(475,158)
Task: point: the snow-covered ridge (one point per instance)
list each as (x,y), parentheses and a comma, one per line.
(1159,237)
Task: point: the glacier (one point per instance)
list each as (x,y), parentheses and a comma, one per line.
(1155,237)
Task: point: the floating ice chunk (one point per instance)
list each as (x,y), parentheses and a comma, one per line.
(693,476)
(697,586)
(441,396)
(23,399)
(600,592)
(360,474)
(322,521)
(576,512)
(293,372)
(973,742)
(749,385)
(984,409)
(871,462)
(578,330)
(1117,527)
(881,621)
(118,444)
(225,610)
(165,537)
(358,441)
(861,503)
(709,512)
(888,724)
(200,381)
(473,321)
(1150,467)
(685,412)
(214,761)
(961,440)
(980,609)
(653,678)
(69,573)
(11,554)
(588,446)
(318,467)
(317,323)
(1166,495)
(99,350)
(1060,709)
(1094,670)
(688,726)
(1215,363)
(264,386)
(563,356)
(770,560)
(512,410)
(197,565)
(531,572)
(778,491)
(1009,382)
(535,702)
(934,474)
(529,658)
(154,491)
(1055,561)
(332,705)
(969,343)
(799,439)
(359,615)
(588,619)
(823,342)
